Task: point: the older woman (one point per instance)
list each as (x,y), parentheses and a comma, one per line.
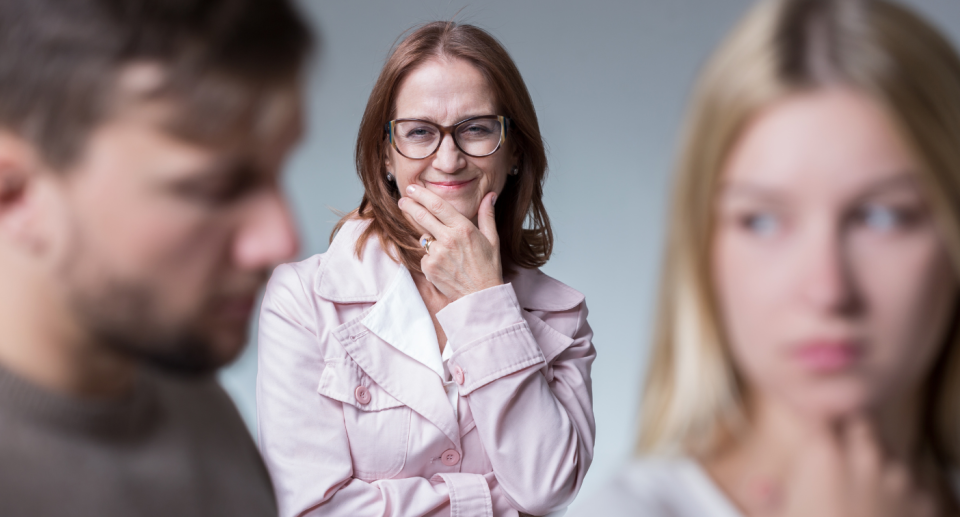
(423,365)
(808,360)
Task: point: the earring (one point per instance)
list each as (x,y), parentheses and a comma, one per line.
(514,171)
(390,178)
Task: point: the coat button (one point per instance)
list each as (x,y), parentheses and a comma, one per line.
(458,375)
(362,394)
(450,457)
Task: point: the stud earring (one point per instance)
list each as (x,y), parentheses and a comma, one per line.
(514,171)
(390,178)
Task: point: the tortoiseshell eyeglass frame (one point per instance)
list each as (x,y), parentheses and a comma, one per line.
(445,130)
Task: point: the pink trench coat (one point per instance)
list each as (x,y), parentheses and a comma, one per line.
(350,425)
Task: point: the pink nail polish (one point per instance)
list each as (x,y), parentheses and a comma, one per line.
(411,189)
(494,200)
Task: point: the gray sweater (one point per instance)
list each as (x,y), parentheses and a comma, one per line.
(173,447)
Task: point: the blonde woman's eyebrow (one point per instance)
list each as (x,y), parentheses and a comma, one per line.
(896,182)
(747,190)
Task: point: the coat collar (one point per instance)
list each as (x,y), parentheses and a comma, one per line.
(343,278)
(400,317)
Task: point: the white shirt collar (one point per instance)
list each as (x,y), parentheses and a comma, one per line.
(400,317)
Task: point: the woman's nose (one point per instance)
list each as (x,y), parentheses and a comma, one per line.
(448,158)
(825,278)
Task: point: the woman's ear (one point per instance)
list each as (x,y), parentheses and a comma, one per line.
(387,162)
(516,155)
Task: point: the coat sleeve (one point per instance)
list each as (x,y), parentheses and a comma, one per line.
(531,401)
(303,439)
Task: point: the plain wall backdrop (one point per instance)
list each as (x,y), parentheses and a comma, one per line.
(609,80)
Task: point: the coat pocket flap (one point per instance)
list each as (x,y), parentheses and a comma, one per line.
(341,379)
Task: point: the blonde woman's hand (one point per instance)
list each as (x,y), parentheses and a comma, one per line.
(462,258)
(844,473)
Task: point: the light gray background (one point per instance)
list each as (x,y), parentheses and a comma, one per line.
(609,80)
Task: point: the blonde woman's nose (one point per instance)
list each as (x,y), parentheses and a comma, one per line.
(823,276)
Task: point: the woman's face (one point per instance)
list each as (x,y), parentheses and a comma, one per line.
(833,279)
(446,91)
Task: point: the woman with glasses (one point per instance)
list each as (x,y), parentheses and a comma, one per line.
(423,365)
(808,359)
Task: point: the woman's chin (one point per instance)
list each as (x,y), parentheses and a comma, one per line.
(466,201)
(834,404)
(466,209)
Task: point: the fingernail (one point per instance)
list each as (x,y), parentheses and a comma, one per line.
(494,200)
(400,203)
(411,189)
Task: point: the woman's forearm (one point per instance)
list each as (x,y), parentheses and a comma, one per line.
(529,392)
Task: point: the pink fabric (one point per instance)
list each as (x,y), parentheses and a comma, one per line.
(525,429)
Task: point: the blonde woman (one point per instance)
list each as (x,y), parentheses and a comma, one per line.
(807,362)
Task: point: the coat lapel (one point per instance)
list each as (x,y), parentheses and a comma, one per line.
(403,377)
(387,341)
(345,278)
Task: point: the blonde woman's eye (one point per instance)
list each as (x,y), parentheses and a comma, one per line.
(884,218)
(762,225)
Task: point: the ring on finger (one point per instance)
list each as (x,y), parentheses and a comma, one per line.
(425,242)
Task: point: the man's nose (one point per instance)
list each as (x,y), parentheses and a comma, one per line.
(267,235)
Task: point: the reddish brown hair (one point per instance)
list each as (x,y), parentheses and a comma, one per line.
(522,198)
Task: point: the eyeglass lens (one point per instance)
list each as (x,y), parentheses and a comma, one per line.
(419,139)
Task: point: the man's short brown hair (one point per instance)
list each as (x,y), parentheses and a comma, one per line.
(222,61)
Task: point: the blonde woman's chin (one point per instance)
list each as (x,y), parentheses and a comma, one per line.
(836,404)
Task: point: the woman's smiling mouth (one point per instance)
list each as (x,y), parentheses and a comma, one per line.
(450,185)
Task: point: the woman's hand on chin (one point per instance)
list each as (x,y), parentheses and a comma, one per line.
(462,258)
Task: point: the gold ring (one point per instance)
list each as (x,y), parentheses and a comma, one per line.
(425,242)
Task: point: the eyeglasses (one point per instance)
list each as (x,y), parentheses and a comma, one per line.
(476,136)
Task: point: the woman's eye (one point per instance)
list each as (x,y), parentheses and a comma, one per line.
(478,129)
(762,224)
(419,133)
(474,131)
(884,218)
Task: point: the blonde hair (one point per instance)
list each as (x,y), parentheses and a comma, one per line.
(693,400)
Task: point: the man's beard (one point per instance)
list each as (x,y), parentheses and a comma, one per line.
(124,317)
(129,317)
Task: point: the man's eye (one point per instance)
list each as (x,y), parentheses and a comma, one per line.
(215,192)
(221,188)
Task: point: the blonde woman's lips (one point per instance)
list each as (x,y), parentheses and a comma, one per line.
(828,356)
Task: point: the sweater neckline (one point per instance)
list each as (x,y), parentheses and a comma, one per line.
(108,418)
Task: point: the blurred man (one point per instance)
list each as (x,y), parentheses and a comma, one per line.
(140,147)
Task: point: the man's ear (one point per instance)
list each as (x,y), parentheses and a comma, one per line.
(19,203)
